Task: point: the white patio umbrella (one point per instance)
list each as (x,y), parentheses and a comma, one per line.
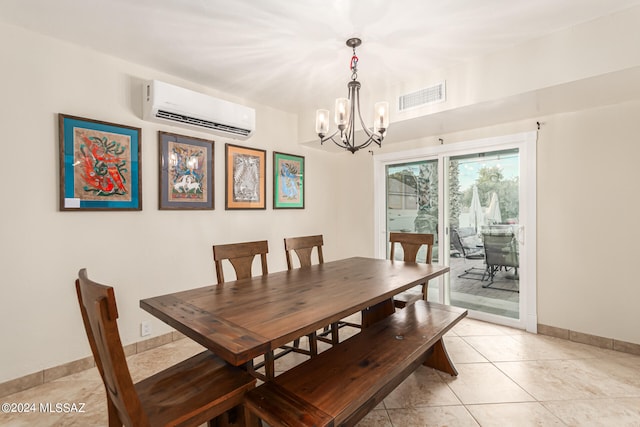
(493,211)
(476,212)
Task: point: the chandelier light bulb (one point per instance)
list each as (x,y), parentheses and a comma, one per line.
(322,122)
(343,106)
(381,116)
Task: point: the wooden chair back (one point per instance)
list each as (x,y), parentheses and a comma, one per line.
(303,247)
(411,244)
(99,314)
(241,256)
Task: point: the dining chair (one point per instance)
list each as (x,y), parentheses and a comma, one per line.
(195,391)
(303,248)
(241,257)
(411,244)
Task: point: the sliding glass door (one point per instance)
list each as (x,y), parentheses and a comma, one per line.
(484,209)
(412,206)
(476,198)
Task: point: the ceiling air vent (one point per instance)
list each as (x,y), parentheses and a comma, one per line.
(429,95)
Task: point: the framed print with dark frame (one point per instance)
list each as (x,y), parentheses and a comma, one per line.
(186,172)
(245,178)
(288,181)
(100,165)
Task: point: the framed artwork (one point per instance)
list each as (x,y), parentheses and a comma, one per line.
(100,165)
(288,181)
(245,172)
(186,172)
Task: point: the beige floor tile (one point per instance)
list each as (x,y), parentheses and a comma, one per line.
(484,383)
(471,327)
(567,379)
(597,412)
(568,349)
(513,414)
(376,418)
(422,388)
(86,402)
(625,370)
(461,352)
(533,347)
(514,348)
(145,364)
(435,416)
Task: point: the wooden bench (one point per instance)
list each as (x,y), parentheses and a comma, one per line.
(341,385)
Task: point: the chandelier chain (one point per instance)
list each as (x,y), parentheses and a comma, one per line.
(354,65)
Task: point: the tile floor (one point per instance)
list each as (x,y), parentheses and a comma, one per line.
(506,378)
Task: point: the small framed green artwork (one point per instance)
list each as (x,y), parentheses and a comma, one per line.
(288,181)
(100,165)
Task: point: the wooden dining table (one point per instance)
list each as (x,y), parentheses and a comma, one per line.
(243,319)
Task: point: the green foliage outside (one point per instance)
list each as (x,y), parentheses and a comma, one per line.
(491,179)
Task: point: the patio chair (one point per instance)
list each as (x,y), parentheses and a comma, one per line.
(468,253)
(501,252)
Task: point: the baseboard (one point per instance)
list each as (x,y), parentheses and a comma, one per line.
(50,374)
(594,340)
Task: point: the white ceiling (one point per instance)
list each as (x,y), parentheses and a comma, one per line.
(292,54)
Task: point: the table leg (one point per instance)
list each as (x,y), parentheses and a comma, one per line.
(371,315)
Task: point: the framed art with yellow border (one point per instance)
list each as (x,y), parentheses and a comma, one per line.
(245,177)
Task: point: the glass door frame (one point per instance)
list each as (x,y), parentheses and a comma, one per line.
(526,144)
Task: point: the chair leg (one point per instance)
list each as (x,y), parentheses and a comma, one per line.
(313,344)
(269,365)
(334,333)
(114,418)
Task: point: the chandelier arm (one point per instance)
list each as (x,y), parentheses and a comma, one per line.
(327,138)
(340,144)
(367,143)
(362,123)
(350,131)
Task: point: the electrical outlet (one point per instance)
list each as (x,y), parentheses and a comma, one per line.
(145,329)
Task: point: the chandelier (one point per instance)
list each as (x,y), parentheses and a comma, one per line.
(345,114)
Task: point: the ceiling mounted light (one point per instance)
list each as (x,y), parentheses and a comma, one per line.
(344,136)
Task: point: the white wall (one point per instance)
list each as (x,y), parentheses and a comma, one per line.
(143,253)
(587,215)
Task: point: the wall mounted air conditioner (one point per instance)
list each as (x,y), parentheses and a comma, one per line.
(166,103)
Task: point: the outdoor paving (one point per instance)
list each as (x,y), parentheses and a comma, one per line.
(468,291)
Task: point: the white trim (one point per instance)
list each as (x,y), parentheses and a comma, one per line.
(526,143)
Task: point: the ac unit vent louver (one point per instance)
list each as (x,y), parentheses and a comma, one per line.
(429,95)
(201,123)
